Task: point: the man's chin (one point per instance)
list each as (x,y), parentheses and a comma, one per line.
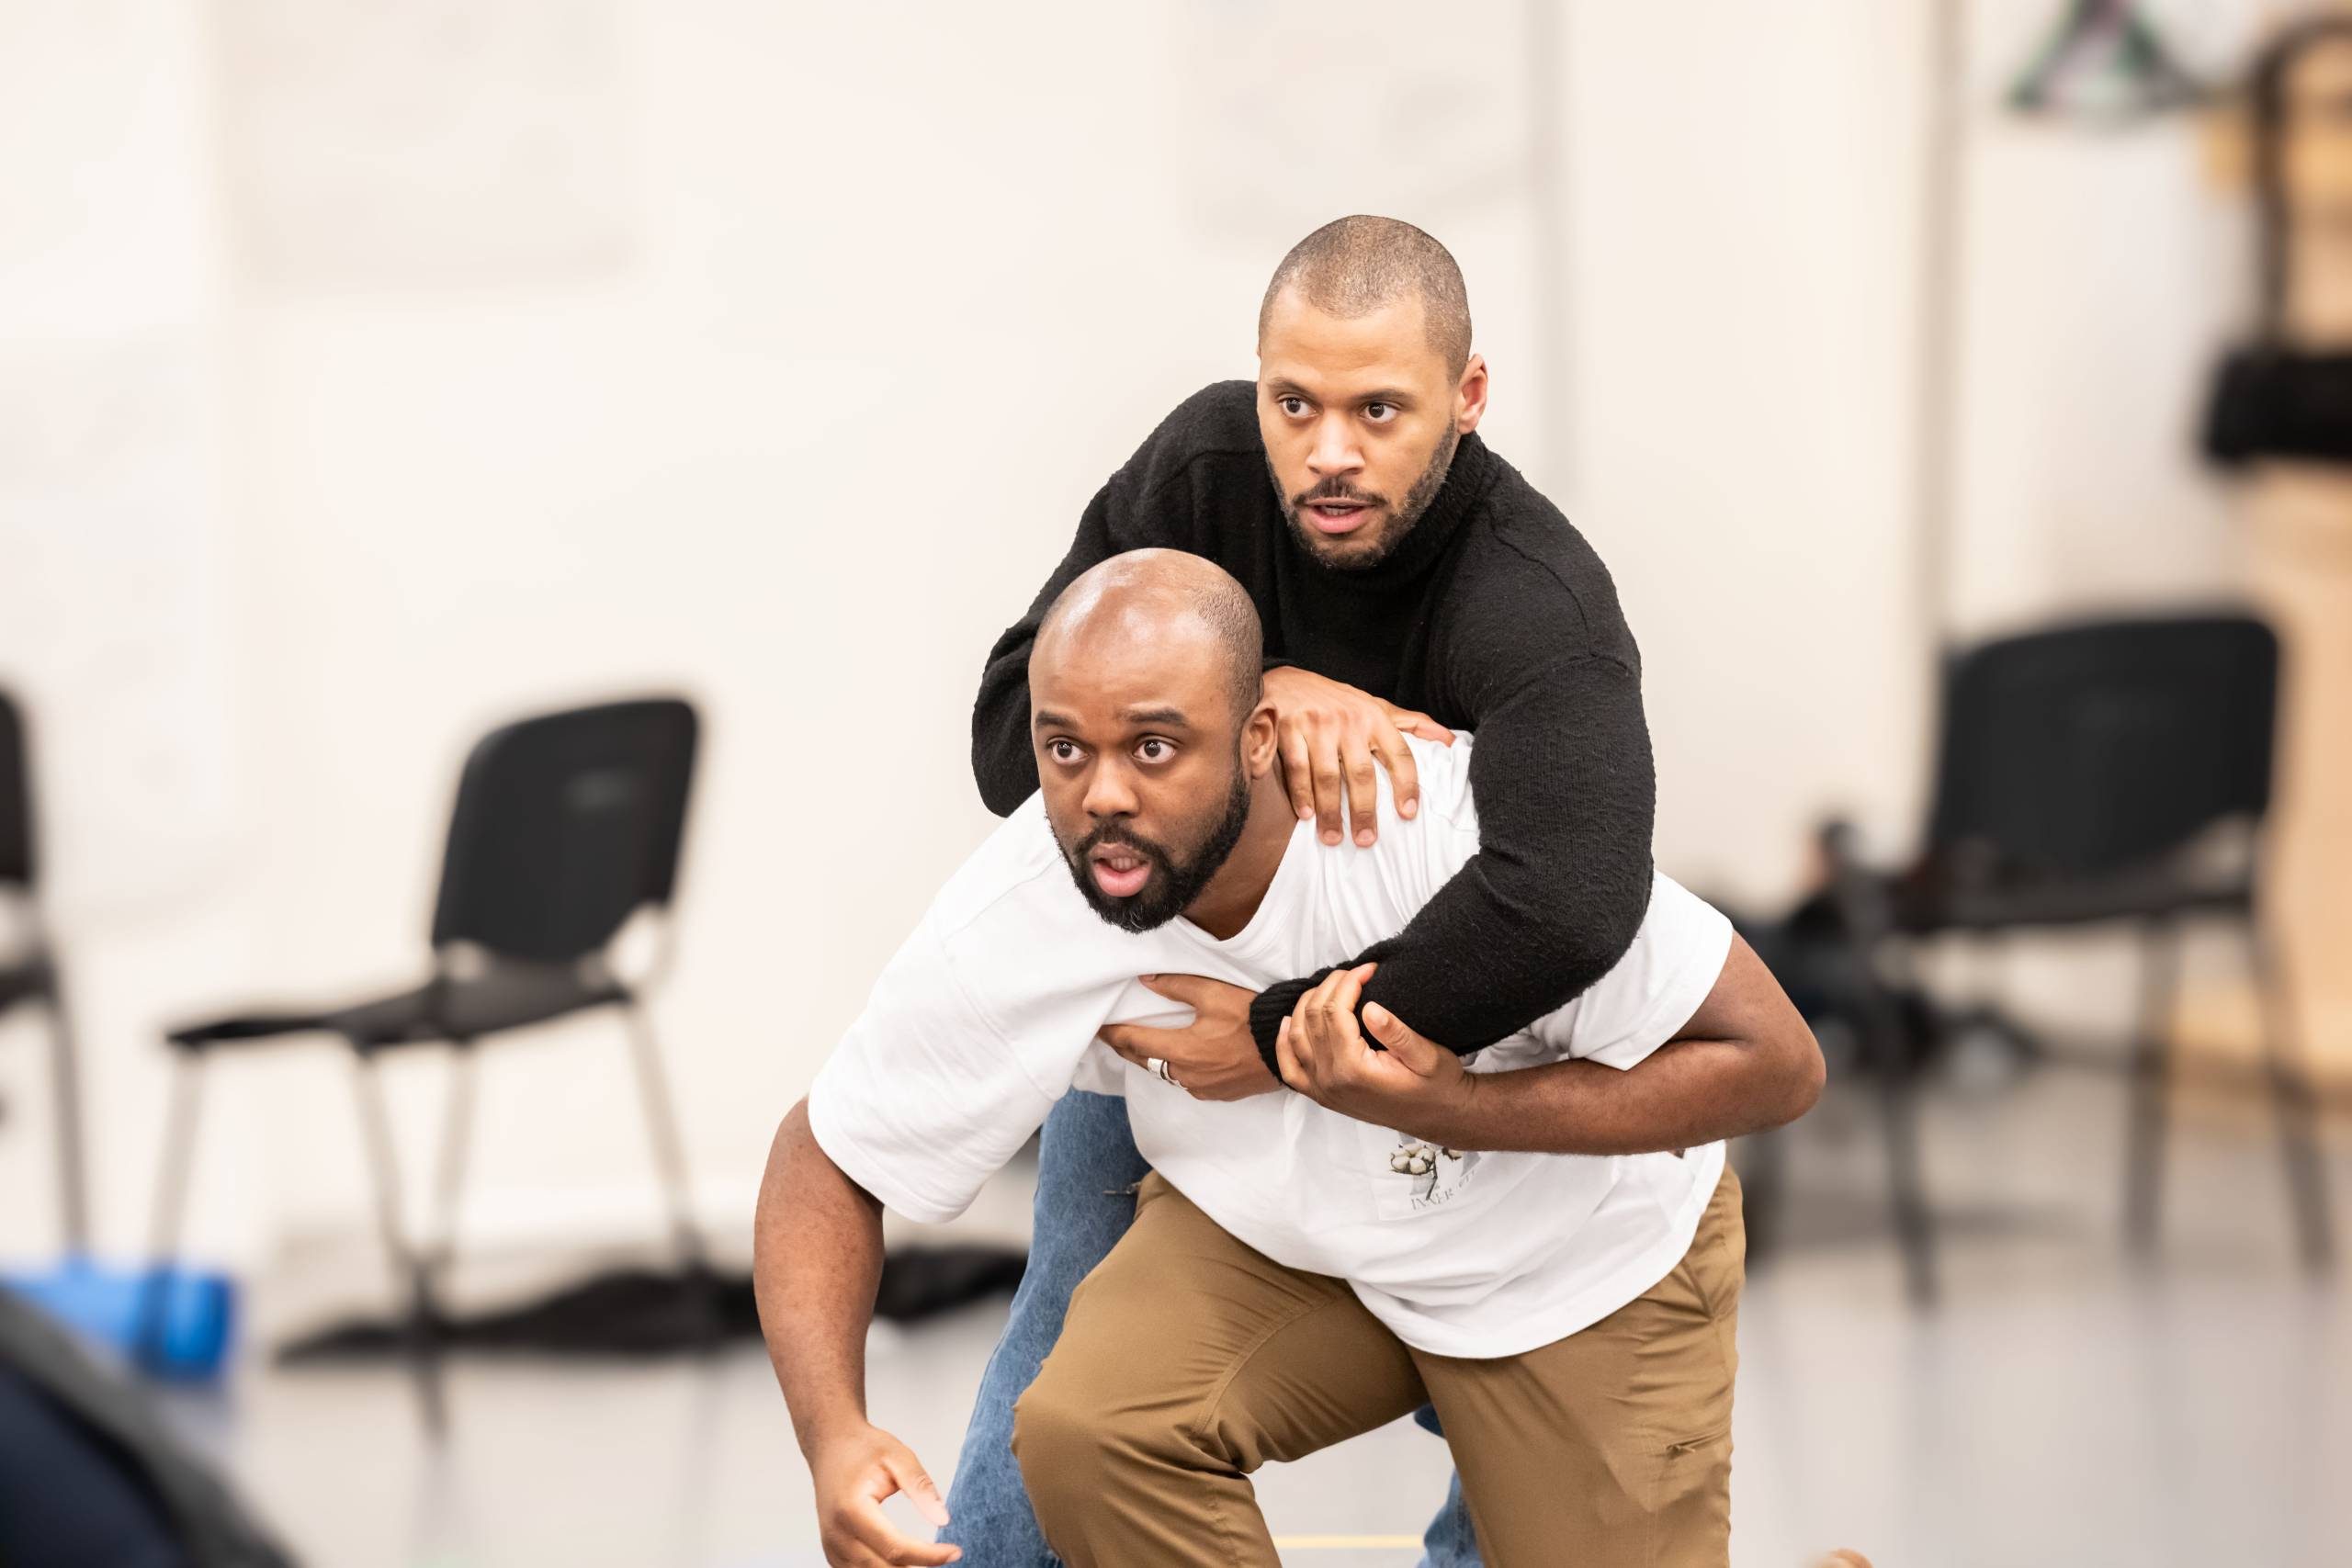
(1134,915)
(1361,546)
(1143,910)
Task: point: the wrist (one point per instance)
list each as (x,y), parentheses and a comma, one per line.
(1267,1011)
(830,1428)
(1455,1119)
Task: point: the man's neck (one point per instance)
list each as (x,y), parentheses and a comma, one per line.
(1233,894)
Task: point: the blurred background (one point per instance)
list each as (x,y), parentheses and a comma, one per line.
(372,376)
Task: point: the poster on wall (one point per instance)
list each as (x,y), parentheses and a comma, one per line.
(110,637)
(1440,133)
(111,633)
(103,198)
(434,143)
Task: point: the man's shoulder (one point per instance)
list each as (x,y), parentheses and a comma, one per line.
(1215,423)
(1222,416)
(1414,855)
(1526,570)
(1016,876)
(1445,773)
(1012,924)
(1518,530)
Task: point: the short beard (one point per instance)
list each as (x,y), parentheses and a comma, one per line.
(1169,890)
(1418,501)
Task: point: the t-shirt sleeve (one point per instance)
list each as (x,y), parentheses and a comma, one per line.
(1649,994)
(923,1100)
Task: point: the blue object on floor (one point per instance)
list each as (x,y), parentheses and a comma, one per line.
(173,1322)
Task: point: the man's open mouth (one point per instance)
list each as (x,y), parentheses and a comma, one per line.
(1336,517)
(1119,871)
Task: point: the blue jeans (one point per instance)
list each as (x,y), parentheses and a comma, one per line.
(1087,1171)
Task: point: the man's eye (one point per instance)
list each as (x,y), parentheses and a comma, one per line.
(1061,751)
(1380,413)
(1294,407)
(1155,751)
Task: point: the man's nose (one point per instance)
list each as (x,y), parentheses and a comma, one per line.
(1335,450)
(1109,792)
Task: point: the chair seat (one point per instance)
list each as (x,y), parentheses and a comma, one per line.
(22,979)
(506,995)
(1925,904)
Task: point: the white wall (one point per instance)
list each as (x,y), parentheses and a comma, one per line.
(1740,180)
(2103,277)
(901,286)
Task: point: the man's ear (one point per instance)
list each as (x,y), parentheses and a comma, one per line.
(1470,396)
(1257,734)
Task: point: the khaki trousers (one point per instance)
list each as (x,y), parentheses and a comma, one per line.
(1188,1360)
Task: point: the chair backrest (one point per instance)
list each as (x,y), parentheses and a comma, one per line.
(16,799)
(566,825)
(2096,747)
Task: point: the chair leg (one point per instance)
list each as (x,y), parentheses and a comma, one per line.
(1899,1110)
(1762,1185)
(1884,1042)
(171,1207)
(408,1267)
(670,1156)
(65,1077)
(1863,910)
(2144,1157)
(457,1138)
(662,1125)
(2290,1091)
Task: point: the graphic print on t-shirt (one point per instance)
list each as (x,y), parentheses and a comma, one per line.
(1437,1174)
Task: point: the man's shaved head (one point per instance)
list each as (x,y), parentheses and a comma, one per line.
(1352,267)
(1150,742)
(1143,596)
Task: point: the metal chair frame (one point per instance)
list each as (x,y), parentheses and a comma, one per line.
(35,975)
(419,1267)
(1881,936)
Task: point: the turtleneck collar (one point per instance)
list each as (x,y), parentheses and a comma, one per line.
(1466,478)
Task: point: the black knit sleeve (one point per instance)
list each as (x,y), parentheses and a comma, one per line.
(1150,501)
(1566,795)
(1002,761)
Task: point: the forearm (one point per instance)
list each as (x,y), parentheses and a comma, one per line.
(1686,1093)
(816,1262)
(1566,795)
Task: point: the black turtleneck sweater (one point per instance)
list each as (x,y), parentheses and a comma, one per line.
(1492,615)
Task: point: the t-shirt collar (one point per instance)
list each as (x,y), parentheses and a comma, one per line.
(1259,940)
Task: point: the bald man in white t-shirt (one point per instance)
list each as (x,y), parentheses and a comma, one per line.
(1543,1241)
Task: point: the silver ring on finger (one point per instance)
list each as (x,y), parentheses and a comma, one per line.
(1158,1068)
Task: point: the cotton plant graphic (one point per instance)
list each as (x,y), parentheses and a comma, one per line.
(1419,1159)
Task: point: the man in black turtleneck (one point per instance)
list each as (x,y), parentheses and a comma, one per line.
(1409,579)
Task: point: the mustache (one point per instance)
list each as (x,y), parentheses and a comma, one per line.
(1112,833)
(1337,489)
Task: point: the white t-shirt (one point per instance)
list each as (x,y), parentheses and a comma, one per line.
(989,1013)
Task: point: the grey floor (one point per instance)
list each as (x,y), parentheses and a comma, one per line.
(2061,1406)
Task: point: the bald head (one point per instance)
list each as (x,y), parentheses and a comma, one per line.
(1162,598)
(1352,267)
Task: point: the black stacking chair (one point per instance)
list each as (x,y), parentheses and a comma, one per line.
(565,825)
(2093,773)
(30,974)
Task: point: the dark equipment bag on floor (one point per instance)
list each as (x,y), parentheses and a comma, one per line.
(92,1477)
(2270,398)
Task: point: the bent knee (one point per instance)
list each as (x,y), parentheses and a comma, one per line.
(1069,1439)
(1057,1440)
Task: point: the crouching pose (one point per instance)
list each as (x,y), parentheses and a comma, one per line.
(1543,1242)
